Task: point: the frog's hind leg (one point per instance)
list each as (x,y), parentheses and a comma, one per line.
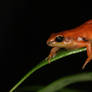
(89,54)
(87,61)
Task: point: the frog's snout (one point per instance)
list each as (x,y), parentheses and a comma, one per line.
(48,43)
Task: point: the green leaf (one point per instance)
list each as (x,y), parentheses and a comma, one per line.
(29,88)
(63,82)
(44,62)
(35,88)
(69,90)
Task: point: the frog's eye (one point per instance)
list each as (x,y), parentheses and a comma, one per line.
(59,39)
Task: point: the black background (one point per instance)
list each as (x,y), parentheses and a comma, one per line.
(24,28)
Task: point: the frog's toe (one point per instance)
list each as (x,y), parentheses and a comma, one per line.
(87,61)
(49,58)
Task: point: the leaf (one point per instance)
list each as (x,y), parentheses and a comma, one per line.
(70,90)
(33,88)
(44,62)
(63,82)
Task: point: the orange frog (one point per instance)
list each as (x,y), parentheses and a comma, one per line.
(71,39)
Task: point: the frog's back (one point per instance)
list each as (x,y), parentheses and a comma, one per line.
(84,30)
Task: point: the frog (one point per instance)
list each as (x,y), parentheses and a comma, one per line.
(78,37)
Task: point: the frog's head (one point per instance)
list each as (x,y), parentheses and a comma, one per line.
(59,40)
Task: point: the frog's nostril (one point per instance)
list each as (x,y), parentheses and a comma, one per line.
(48,42)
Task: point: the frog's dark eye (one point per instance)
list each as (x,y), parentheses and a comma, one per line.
(59,39)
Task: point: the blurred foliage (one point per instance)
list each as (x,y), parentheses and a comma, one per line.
(58,84)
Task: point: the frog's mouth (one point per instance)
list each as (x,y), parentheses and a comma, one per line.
(57,44)
(61,44)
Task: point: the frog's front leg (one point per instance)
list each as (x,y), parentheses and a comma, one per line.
(53,53)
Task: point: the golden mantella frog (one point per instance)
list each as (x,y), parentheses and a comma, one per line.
(78,37)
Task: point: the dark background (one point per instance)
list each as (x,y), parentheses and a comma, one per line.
(24,28)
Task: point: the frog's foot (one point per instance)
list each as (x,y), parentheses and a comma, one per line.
(87,61)
(50,57)
(52,53)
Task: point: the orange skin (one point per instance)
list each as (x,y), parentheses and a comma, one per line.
(75,38)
